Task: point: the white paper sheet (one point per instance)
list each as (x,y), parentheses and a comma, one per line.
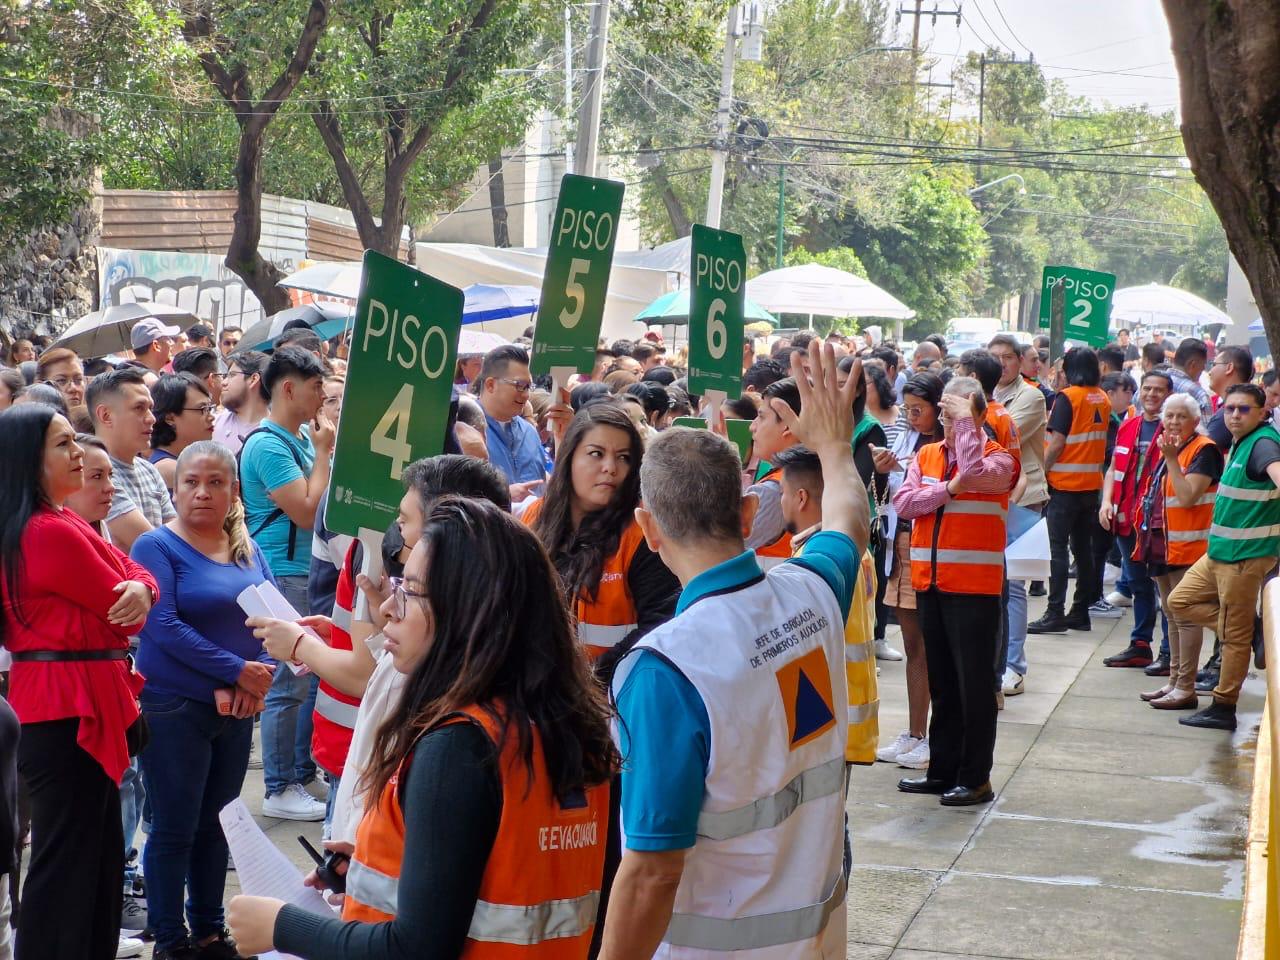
(264,600)
(262,869)
(1027,558)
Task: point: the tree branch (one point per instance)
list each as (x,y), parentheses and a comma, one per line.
(330,130)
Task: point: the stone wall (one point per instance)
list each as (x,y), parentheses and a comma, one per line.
(50,282)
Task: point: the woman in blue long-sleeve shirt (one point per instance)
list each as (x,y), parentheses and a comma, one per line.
(195,650)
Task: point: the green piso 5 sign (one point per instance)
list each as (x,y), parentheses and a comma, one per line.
(577,274)
(716,306)
(395,408)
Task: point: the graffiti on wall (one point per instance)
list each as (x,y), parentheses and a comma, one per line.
(198,282)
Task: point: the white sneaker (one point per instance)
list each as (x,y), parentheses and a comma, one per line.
(886,652)
(1011,685)
(293,803)
(893,751)
(129,947)
(1110,574)
(1118,599)
(917,758)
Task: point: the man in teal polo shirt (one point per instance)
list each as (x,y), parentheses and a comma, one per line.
(1221,589)
(737,707)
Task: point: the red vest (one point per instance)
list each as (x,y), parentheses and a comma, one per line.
(1124,472)
(335,713)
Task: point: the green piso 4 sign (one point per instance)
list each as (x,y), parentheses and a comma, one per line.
(577,274)
(395,406)
(1087,303)
(716,305)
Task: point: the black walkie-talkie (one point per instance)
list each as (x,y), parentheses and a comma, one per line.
(326,866)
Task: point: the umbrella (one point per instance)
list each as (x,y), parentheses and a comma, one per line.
(673,308)
(326,319)
(107,330)
(330,278)
(1153,305)
(474,342)
(816,290)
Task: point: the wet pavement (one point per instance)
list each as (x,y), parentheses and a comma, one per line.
(1117,833)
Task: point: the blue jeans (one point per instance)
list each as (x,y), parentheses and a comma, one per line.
(1143,590)
(1016,658)
(286,721)
(132,795)
(193,767)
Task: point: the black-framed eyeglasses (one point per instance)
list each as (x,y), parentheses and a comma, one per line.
(399,593)
(204,408)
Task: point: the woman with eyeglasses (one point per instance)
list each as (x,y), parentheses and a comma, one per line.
(488,783)
(183,408)
(62,370)
(921,399)
(69,601)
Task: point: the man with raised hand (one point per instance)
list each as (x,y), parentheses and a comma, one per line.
(732,710)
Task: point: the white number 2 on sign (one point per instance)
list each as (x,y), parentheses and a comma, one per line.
(573,288)
(1081,319)
(397,448)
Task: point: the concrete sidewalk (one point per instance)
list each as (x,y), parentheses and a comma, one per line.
(1116,832)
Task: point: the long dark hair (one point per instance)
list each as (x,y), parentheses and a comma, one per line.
(525,670)
(884,389)
(579,555)
(22,437)
(169,396)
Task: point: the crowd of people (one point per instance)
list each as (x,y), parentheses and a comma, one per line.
(602,692)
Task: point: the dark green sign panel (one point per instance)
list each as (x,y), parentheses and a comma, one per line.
(716,306)
(1087,310)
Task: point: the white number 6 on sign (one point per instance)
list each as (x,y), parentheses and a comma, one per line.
(397,448)
(717,335)
(573,289)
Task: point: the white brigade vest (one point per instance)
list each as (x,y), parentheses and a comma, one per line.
(766,876)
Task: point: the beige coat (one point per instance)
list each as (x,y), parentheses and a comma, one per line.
(1025,404)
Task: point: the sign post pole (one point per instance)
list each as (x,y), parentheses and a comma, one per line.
(716,306)
(396,402)
(1057,320)
(576,279)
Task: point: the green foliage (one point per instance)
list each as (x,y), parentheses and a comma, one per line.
(838,258)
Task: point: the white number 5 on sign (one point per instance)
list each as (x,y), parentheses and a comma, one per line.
(397,448)
(573,288)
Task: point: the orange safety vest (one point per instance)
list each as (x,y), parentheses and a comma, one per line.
(541,885)
(606,621)
(1080,467)
(1187,528)
(960,547)
(334,718)
(774,553)
(1005,433)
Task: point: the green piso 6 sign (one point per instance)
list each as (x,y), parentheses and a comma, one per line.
(716,305)
(395,408)
(577,274)
(1087,304)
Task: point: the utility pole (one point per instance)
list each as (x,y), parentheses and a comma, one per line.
(724,110)
(782,216)
(593,91)
(568,82)
(1010,60)
(918,13)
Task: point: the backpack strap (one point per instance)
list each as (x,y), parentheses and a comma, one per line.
(277,513)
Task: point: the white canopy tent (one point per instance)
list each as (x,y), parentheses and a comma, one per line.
(1159,307)
(816,290)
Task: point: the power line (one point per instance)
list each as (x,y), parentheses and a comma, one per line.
(1005,19)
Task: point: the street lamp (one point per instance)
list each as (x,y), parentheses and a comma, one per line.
(1022,189)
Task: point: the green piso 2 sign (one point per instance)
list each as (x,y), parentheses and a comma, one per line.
(1087,303)
(716,306)
(395,407)
(577,274)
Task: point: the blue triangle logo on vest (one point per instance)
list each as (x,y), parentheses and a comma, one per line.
(1097,417)
(812,712)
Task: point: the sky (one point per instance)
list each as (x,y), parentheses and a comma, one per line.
(1106,50)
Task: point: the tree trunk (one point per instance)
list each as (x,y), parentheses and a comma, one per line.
(1228,58)
(260,275)
(498,203)
(676,213)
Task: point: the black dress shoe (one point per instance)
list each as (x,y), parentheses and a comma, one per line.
(1206,681)
(1035,590)
(922,785)
(1159,667)
(1078,619)
(1217,716)
(967,796)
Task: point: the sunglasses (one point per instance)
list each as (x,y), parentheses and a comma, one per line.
(1232,408)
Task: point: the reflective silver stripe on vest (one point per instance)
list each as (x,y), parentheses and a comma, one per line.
(341,618)
(1201,501)
(859,652)
(1187,536)
(1087,437)
(986,508)
(763,930)
(769,812)
(1076,468)
(372,887)
(596,635)
(1245,533)
(335,711)
(864,711)
(924,555)
(534,923)
(1244,493)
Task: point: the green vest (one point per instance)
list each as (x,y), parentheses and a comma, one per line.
(1246,513)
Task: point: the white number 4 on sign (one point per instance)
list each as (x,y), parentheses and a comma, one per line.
(397,448)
